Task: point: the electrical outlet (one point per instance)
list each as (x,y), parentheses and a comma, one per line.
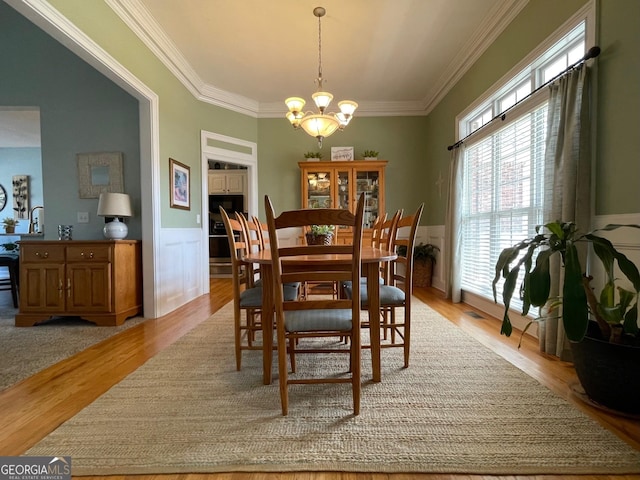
(83,217)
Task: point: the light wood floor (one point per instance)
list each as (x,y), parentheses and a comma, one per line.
(33,408)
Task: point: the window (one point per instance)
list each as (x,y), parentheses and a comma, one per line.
(503,185)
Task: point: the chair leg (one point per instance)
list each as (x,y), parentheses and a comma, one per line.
(407,334)
(237,319)
(292,355)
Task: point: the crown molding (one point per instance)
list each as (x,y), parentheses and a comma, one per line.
(484,36)
(142,23)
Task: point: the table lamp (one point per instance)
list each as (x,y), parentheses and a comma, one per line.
(115,205)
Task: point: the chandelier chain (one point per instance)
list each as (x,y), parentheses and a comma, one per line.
(319,52)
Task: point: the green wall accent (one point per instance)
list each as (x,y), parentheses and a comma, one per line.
(398,139)
(618,142)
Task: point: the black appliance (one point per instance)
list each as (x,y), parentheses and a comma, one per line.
(219,253)
(231,203)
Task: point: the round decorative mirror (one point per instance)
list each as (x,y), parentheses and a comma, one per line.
(3,198)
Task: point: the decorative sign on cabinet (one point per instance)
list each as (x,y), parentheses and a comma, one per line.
(340,184)
(99,281)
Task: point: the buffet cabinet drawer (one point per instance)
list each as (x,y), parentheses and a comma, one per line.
(41,253)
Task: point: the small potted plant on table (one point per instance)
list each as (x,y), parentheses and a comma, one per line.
(320,235)
(603,330)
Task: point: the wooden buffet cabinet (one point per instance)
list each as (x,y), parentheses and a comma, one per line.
(340,184)
(99,281)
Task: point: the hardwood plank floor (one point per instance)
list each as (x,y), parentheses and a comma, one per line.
(36,406)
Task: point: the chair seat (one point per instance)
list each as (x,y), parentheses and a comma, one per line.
(317,320)
(252,297)
(388,295)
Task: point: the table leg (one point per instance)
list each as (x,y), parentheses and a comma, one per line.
(373,294)
(267,322)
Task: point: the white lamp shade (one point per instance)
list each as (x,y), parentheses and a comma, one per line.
(319,125)
(347,107)
(114,205)
(295,104)
(322,100)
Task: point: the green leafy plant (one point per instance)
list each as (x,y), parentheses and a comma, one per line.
(10,246)
(421,252)
(10,222)
(313,155)
(370,154)
(616,314)
(321,229)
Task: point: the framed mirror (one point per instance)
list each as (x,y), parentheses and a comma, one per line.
(98,173)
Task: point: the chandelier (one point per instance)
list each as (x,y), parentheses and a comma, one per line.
(323,124)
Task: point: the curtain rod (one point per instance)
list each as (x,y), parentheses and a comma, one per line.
(593,52)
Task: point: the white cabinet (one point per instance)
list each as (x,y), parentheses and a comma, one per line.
(227,182)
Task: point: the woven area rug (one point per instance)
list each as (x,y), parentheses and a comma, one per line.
(28,350)
(459,408)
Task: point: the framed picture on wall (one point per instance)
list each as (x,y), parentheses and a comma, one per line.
(180,178)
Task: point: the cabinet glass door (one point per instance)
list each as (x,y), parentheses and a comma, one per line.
(344,192)
(367,183)
(319,189)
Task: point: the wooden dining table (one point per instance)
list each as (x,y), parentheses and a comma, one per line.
(371,258)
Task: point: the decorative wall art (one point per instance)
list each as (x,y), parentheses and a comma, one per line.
(99,172)
(21,196)
(341,154)
(179,183)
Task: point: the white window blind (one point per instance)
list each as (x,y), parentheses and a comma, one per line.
(502,194)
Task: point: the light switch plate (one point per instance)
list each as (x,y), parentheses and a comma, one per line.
(83,217)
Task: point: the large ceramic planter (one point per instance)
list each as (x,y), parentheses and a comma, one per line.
(608,372)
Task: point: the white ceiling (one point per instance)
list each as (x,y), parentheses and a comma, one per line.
(393,57)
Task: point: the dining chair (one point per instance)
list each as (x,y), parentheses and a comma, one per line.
(253,243)
(397,290)
(376,229)
(262,230)
(246,297)
(306,326)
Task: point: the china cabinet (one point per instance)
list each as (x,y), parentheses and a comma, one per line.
(340,184)
(99,281)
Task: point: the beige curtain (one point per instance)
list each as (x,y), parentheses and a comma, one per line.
(453,226)
(568,169)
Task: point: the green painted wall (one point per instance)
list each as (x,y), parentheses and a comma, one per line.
(618,141)
(397,139)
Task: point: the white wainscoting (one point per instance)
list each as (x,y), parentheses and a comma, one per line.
(180,268)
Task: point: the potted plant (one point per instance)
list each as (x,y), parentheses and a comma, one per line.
(10,247)
(602,329)
(10,224)
(313,156)
(370,155)
(320,235)
(424,258)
